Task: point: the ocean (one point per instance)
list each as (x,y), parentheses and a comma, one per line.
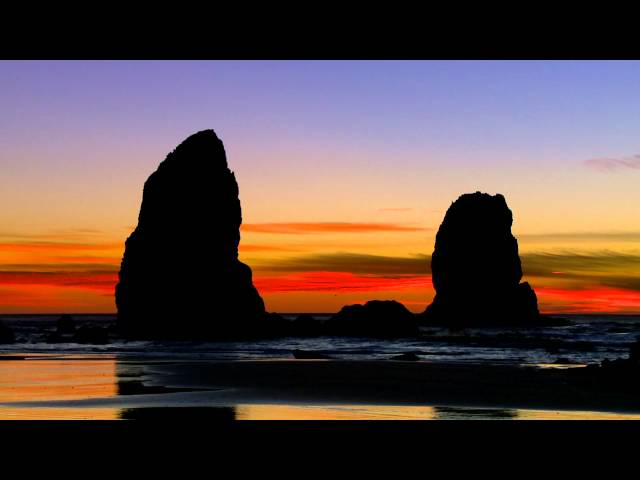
(497,374)
(585,339)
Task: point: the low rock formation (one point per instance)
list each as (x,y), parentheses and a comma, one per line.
(634,352)
(306,326)
(65,325)
(621,375)
(376,318)
(476,269)
(268,325)
(91,334)
(308,355)
(180,276)
(6,334)
(407,357)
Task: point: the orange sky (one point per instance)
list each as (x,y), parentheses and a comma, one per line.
(345,171)
(322,266)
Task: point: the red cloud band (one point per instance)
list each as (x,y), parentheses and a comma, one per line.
(339,281)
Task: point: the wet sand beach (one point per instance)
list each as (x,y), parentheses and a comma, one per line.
(113,387)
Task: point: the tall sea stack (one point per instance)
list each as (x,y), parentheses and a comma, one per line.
(180,275)
(476,268)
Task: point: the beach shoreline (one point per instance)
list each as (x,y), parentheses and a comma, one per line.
(406,389)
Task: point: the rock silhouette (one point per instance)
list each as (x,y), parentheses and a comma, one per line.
(180,276)
(308,355)
(65,328)
(634,352)
(476,269)
(91,334)
(306,325)
(376,318)
(65,325)
(407,357)
(6,334)
(619,375)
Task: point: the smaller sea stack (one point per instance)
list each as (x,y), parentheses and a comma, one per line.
(476,268)
(376,318)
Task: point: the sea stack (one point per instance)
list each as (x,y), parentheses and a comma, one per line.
(376,318)
(476,268)
(180,276)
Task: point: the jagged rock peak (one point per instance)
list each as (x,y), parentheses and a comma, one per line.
(199,148)
(180,275)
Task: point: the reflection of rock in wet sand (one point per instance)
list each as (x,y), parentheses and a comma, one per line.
(6,334)
(172,414)
(503,387)
(187,389)
(465,413)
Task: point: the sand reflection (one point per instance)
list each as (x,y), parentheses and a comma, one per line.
(95,387)
(57,379)
(333,412)
(399,412)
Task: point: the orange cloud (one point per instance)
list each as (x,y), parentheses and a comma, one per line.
(339,281)
(56,247)
(54,299)
(42,274)
(356,263)
(588,300)
(248,247)
(103,281)
(327,227)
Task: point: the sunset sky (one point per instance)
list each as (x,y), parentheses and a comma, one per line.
(345,169)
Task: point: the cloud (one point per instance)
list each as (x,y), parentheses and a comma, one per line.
(587,300)
(339,282)
(248,247)
(59,267)
(343,272)
(102,280)
(28,298)
(580,236)
(328,227)
(92,276)
(350,263)
(52,247)
(613,164)
(611,276)
(59,234)
(613,269)
(544,263)
(564,281)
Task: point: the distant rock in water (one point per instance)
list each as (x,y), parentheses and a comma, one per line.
(377,318)
(65,325)
(6,334)
(476,269)
(407,357)
(308,355)
(180,276)
(65,329)
(619,375)
(91,334)
(634,352)
(306,325)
